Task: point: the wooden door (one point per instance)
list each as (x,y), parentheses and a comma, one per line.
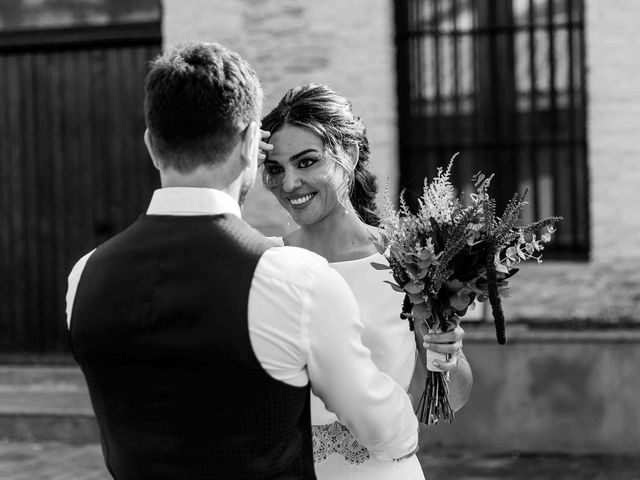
(73,167)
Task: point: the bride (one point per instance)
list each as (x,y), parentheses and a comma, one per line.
(315,166)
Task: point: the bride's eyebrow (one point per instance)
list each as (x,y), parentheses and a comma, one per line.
(303,153)
(270,158)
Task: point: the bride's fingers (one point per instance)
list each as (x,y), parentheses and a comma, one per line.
(447,365)
(454,335)
(448,348)
(266,146)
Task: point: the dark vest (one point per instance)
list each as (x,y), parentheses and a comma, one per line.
(159,328)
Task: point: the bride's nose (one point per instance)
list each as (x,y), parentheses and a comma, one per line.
(291,181)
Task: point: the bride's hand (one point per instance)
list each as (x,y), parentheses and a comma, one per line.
(264,146)
(449,343)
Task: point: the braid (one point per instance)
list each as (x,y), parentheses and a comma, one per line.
(364,187)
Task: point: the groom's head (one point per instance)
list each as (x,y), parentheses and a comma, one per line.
(200,99)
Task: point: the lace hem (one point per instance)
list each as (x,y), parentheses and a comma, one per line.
(336,438)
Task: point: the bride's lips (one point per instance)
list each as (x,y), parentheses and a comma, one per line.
(300,201)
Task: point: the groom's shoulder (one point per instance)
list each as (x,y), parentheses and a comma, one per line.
(295,265)
(296,257)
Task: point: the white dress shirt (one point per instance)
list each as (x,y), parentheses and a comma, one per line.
(392,344)
(304,327)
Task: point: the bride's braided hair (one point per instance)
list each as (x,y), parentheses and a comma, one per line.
(329,115)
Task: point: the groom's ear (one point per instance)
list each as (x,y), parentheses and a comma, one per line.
(148,141)
(249,144)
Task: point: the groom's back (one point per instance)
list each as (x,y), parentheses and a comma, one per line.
(160,330)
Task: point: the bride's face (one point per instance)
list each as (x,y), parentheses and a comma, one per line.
(301,176)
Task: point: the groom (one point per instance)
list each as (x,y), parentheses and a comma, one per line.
(198,341)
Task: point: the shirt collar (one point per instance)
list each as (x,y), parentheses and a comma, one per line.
(192,201)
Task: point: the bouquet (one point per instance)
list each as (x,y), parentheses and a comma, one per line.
(454,251)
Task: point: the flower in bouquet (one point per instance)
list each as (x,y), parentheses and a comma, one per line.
(452,252)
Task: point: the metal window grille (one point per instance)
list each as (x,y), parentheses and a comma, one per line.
(503,83)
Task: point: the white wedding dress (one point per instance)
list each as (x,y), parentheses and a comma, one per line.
(337,455)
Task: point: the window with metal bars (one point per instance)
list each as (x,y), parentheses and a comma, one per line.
(503,83)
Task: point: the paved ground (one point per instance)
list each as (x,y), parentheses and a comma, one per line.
(51,461)
(46,413)
(57,461)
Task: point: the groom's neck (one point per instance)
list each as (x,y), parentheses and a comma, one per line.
(201,177)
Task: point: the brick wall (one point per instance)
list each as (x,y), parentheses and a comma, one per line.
(349,45)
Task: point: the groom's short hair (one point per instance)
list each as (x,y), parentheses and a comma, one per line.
(198,99)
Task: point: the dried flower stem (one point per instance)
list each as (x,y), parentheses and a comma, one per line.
(434,403)
(406,310)
(494,297)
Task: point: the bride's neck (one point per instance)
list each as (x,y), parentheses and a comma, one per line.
(337,238)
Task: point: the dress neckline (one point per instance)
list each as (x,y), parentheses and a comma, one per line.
(341,262)
(368,257)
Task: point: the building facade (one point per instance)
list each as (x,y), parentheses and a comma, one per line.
(66,159)
(559,385)
(352,47)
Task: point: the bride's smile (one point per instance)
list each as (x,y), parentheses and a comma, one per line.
(301,201)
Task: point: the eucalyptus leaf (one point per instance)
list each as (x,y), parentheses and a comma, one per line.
(460,301)
(394,286)
(421,311)
(416,298)
(501,268)
(425,254)
(414,287)
(422,273)
(378,247)
(380,266)
(381,245)
(455,285)
(412,269)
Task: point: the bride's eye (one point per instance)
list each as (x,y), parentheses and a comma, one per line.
(306,162)
(272,168)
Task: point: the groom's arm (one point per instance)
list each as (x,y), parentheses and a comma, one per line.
(373,406)
(72,283)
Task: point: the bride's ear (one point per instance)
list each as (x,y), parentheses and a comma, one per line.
(250,143)
(354,154)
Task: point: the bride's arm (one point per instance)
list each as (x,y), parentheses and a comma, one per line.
(460,383)
(416,386)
